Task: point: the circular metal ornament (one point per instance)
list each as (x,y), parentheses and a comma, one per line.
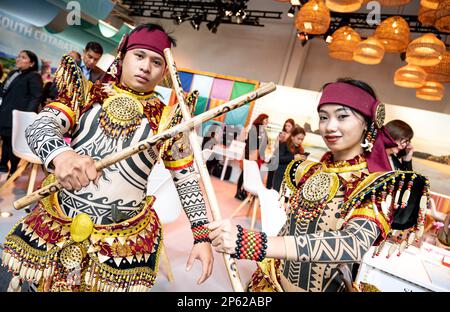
(317,187)
(122,109)
(380,114)
(71,256)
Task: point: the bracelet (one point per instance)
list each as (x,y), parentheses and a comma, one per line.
(200,232)
(250,245)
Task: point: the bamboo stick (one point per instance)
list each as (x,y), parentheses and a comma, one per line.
(230,264)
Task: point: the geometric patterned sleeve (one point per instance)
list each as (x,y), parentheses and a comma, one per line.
(45,134)
(345,246)
(191,197)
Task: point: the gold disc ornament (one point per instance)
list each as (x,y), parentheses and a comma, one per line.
(71,256)
(380,114)
(121,115)
(317,187)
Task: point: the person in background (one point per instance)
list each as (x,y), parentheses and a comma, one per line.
(208,143)
(255,146)
(288,126)
(401,155)
(88,64)
(22,90)
(75,55)
(288,151)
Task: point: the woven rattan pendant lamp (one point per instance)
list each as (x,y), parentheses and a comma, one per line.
(313,18)
(393,2)
(427,16)
(441,71)
(345,41)
(427,50)
(344,6)
(431,91)
(369,51)
(393,33)
(442,22)
(410,76)
(430,4)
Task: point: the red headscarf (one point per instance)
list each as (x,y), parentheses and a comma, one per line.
(358,99)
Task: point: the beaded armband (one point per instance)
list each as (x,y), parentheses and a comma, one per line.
(200,232)
(250,245)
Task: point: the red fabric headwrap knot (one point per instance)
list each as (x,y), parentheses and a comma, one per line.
(361,101)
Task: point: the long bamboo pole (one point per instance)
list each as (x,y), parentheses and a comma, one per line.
(147,143)
(230,263)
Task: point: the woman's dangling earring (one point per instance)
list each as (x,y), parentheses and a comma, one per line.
(371,134)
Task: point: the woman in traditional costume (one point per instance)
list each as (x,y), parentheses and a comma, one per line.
(339,207)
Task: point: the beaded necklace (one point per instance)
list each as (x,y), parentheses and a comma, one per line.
(318,188)
(123,109)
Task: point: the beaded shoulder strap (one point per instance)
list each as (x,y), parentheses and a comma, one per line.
(295,171)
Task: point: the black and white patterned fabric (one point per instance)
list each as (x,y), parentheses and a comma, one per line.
(123,184)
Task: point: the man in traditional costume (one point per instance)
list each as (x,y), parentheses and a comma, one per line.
(100,233)
(338,207)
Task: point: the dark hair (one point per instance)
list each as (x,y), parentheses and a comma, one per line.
(259,120)
(296,131)
(94,47)
(398,129)
(33,58)
(150,27)
(291,121)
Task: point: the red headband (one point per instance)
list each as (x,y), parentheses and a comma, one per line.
(154,40)
(358,99)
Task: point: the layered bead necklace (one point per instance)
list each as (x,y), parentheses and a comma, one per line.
(123,109)
(320,186)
